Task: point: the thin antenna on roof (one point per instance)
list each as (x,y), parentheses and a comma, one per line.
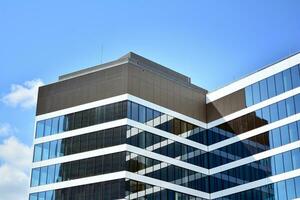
(101,54)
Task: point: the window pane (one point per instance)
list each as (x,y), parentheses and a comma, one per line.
(288,163)
(61,124)
(46,147)
(281,109)
(276,137)
(279,164)
(53,150)
(274,112)
(149,117)
(50,195)
(40,128)
(290,106)
(142,114)
(291,193)
(297,186)
(249,96)
(284,132)
(271,86)
(287,80)
(37,152)
(256,93)
(51,174)
(281,190)
(263,89)
(33,196)
(48,127)
(43,176)
(296,158)
(35,177)
(293,132)
(295,76)
(134,111)
(55,125)
(297,103)
(42,196)
(279,83)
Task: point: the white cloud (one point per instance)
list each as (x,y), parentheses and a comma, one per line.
(14,172)
(6,129)
(24,95)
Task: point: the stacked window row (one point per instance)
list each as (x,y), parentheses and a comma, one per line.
(80,143)
(264,168)
(283,190)
(97,191)
(165,122)
(140,190)
(272,86)
(81,119)
(164,146)
(259,118)
(78,169)
(256,144)
(163,171)
(117,111)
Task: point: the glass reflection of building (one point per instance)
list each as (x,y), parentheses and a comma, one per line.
(133,129)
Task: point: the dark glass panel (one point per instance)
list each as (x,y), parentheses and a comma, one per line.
(134,111)
(61,124)
(142,114)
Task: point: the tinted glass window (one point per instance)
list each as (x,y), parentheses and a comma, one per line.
(37,152)
(290,106)
(142,114)
(55,124)
(271,86)
(48,127)
(135,111)
(256,93)
(297,103)
(295,76)
(33,196)
(281,109)
(274,112)
(249,96)
(287,80)
(46,147)
(51,174)
(40,128)
(53,150)
(263,90)
(279,83)
(43,175)
(35,177)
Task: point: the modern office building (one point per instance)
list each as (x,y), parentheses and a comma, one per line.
(133,129)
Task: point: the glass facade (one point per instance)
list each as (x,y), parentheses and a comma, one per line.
(272,86)
(253,120)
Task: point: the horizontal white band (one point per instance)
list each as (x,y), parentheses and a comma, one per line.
(256,157)
(254,107)
(167,185)
(254,184)
(81,131)
(80,156)
(254,132)
(253,78)
(80,181)
(167,159)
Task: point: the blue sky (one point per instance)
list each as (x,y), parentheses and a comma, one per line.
(213,42)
